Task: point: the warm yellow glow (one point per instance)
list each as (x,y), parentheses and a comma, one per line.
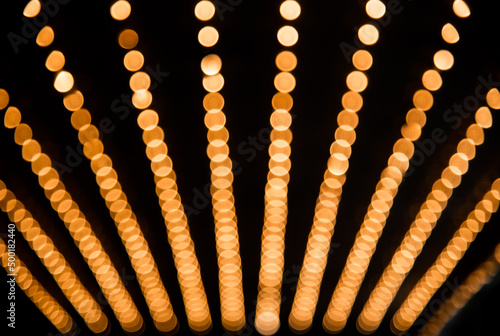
(204,10)
(73,100)
(352,101)
(288,36)
(284,82)
(208,36)
(211,64)
(461,9)
(139,81)
(362,60)
(290,9)
(120,10)
(213,102)
(32,8)
(443,60)
(483,117)
(142,99)
(476,134)
(128,39)
(55,61)
(12,117)
(282,101)
(286,61)
(213,83)
(431,80)
(357,81)
(492,97)
(148,120)
(450,33)
(45,37)
(64,81)
(368,34)
(4,99)
(375,9)
(133,60)
(423,100)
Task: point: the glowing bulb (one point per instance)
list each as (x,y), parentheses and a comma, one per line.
(45,37)
(286,61)
(368,34)
(133,60)
(431,80)
(128,39)
(55,61)
(211,64)
(12,117)
(450,33)
(208,36)
(288,36)
(375,9)
(64,81)
(32,8)
(4,99)
(443,60)
(120,10)
(290,10)
(461,9)
(204,10)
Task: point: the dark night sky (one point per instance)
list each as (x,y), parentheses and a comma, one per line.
(168,30)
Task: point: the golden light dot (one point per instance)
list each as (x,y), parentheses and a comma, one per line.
(461,9)
(128,39)
(55,61)
(483,117)
(443,60)
(4,99)
(357,81)
(213,83)
(476,134)
(286,61)
(139,81)
(45,37)
(282,101)
(352,101)
(12,117)
(31,150)
(422,99)
(375,9)
(281,120)
(431,79)
(142,99)
(450,34)
(492,98)
(73,100)
(64,81)
(213,102)
(288,36)
(204,10)
(211,64)
(32,8)
(411,131)
(80,119)
(120,10)
(208,36)
(362,60)
(133,60)
(290,10)
(416,115)
(284,82)
(368,34)
(147,120)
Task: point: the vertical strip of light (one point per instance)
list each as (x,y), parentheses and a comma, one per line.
(34,290)
(420,230)
(179,237)
(128,228)
(267,316)
(447,260)
(481,276)
(382,200)
(89,245)
(54,261)
(224,212)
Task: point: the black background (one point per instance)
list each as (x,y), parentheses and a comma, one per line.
(87,35)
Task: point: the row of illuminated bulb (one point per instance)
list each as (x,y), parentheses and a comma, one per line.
(436,275)
(420,230)
(179,237)
(371,229)
(461,295)
(224,212)
(276,189)
(111,191)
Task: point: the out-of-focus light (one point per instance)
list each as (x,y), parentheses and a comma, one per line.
(352,101)
(4,99)
(120,10)
(450,34)
(211,64)
(45,37)
(443,60)
(128,39)
(422,99)
(213,83)
(204,10)
(492,98)
(139,81)
(288,36)
(148,119)
(290,10)
(368,34)
(208,36)
(357,81)
(133,60)
(73,100)
(432,80)
(286,61)
(32,8)
(55,61)
(142,99)
(461,9)
(375,9)
(12,117)
(64,81)
(284,82)
(483,117)
(362,60)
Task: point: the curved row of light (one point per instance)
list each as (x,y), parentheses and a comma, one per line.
(226,223)
(120,210)
(54,261)
(85,239)
(378,211)
(445,263)
(179,236)
(460,296)
(420,230)
(267,316)
(49,307)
